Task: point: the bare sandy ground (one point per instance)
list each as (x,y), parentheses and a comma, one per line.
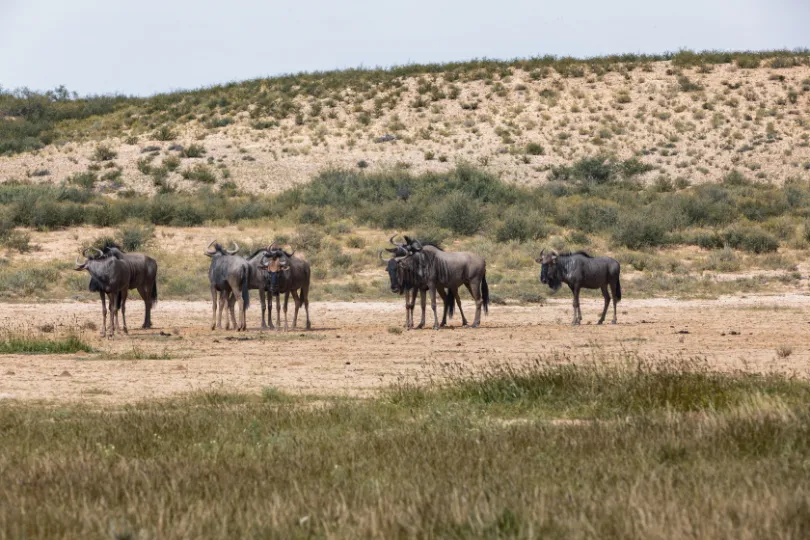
(352,349)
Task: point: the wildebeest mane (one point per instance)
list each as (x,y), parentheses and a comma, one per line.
(572,253)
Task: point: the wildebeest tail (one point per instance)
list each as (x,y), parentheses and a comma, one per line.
(450,303)
(154,293)
(618,289)
(485,293)
(245,285)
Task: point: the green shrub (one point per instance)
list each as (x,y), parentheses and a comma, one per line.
(520,225)
(750,238)
(308,238)
(200,173)
(461,214)
(534,149)
(594,215)
(133,236)
(164,133)
(103,153)
(638,230)
(86,180)
(194,151)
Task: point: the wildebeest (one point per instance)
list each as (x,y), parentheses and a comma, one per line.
(228,274)
(406,281)
(288,275)
(580,270)
(259,279)
(142,276)
(441,269)
(110,277)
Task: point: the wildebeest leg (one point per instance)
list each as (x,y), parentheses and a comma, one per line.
(112,311)
(223,303)
(270,309)
(407,295)
(264,307)
(607,303)
(458,303)
(124,295)
(278,312)
(305,301)
(232,310)
(103,315)
(613,294)
(433,307)
(297,307)
(423,294)
(146,294)
(577,316)
(445,304)
(215,301)
(475,290)
(286,300)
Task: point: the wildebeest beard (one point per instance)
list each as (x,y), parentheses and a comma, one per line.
(549,276)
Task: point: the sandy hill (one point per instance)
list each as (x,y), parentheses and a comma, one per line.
(688,116)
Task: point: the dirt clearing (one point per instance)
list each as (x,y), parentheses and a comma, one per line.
(355,348)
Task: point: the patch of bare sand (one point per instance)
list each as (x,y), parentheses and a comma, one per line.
(351,351)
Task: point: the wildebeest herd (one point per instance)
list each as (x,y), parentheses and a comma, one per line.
(414,268)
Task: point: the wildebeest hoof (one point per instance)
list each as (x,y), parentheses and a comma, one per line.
(600,322)
(126,331)
(612,322)
(421,325)
(435,327)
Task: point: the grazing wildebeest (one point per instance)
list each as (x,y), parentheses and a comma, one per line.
(142,276)
(228,274)
(406,281)
(580,270)
(110,277)
(442,269)
(288,275)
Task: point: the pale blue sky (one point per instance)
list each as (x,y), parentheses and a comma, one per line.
(148,46)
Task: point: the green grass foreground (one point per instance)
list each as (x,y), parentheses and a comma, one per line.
(25,344)
(539,451)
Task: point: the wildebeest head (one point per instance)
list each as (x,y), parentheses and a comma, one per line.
(396,268)
(219,251)
(548,269)
(88,260)
(277,265)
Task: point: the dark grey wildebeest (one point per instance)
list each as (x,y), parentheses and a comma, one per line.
(579,270)
(260,279)
(440,269)
(110,277)
(142,276)
(228,274)
(288,275)
(406,281)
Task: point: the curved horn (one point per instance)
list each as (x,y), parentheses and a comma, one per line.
(234,250)
(208,248)
(391,240)
(379,253)
(98,250)
(78,264)
(288,254)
